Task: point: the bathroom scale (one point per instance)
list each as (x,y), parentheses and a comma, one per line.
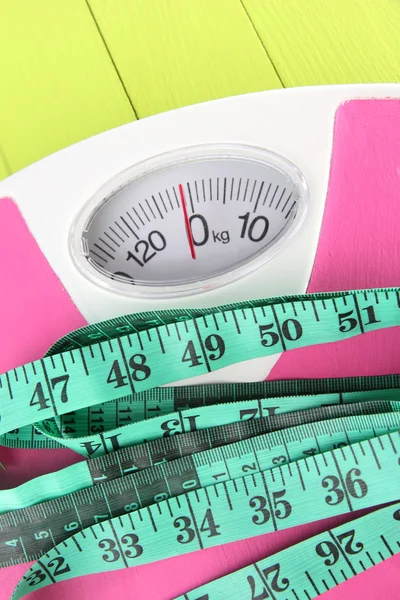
(276,195)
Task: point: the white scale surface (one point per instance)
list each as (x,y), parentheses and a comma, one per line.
(296,124)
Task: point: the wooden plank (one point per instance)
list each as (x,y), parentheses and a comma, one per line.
(330,41)
(173,53)
(58,82)
(4,170)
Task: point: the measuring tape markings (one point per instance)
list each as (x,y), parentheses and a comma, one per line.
(13,499)
(314,566)
(180,422)
(117,464)
(190,420)
(28,533)
(343,480)
(285,330)
(135,414)
(56,384)
(137,322)
(173,399)
(125,460)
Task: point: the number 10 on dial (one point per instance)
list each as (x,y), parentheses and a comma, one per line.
(189,221)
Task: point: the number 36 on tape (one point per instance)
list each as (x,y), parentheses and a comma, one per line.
(134,355)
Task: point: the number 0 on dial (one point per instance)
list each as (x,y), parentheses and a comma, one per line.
(190,220)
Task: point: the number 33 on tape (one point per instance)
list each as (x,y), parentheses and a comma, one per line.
(263,496)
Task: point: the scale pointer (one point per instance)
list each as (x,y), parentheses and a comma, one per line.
(187,224)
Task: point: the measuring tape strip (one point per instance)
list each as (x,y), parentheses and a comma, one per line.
(109,415)
(137,322)
(135,362)
(229,336)
(362,475)
(29,533)
(187,420)
(314,566)
(171,447)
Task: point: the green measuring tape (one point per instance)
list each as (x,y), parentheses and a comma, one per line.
(105,362)
(249,458)
(314,566)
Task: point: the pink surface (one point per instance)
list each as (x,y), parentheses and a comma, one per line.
(359,247)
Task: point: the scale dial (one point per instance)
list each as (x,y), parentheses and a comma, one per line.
(189,221)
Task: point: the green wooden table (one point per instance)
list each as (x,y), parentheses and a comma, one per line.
(70,69)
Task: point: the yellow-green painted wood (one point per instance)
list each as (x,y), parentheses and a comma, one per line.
(4,170)
(314,42)
(59,84)
(57,81)
(172,53)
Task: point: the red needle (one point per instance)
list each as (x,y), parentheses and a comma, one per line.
(187,224)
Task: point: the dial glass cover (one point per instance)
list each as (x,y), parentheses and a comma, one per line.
(189,220)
